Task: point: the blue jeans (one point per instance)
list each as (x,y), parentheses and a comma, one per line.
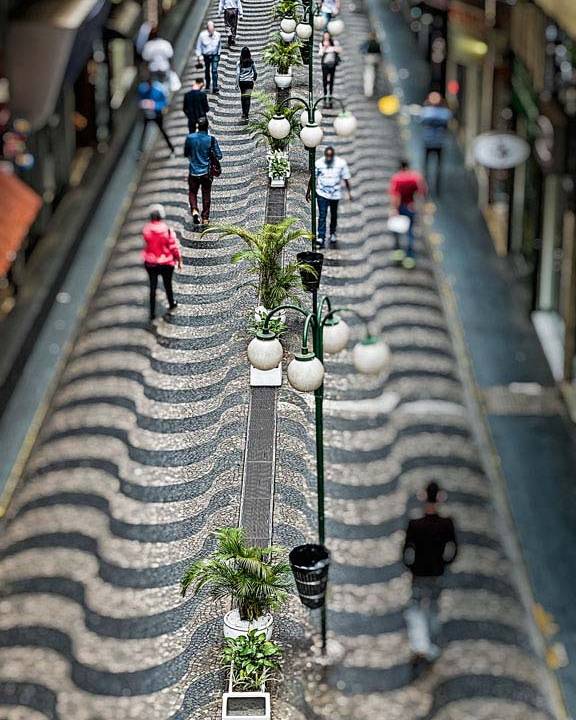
(411,215)
(211,68)
(327,17)
(323,205)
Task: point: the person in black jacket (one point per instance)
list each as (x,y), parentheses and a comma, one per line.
(195,104)
(429,546)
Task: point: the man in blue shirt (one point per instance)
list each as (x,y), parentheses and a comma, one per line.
(434,118)
(201,149)
(208,48)
(153,102)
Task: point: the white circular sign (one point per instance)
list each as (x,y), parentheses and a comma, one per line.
(500,151)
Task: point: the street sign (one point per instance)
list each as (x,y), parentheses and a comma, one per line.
(500,150)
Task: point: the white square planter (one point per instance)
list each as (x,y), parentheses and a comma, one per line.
(266,378)
(246,706)
(277,182)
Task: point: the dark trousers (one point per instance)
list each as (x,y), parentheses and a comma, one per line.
(166,272)
(195,183)
(192,123)
(231,23)
(328,75)
(411,215)
(428,152)
(323,205)
(246,96)
(211,70)
(159,120)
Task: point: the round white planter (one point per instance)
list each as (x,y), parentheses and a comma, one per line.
(234,627)
(283,81)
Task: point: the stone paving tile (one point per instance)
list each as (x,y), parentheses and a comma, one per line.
(375,464)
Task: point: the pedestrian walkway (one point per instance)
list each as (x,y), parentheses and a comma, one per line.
(376,461)
(139,459)
(534,442)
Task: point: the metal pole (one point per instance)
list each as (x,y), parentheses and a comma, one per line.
(312,151)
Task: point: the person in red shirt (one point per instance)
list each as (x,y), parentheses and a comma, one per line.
(161,255)
(405,187)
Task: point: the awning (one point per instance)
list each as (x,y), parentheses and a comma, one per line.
(19,206)
(49,43)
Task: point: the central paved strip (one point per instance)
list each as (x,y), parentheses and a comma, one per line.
(138,460)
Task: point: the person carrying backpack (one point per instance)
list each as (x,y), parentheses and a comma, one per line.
(246,76)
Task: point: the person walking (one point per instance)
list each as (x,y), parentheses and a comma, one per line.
(331,173)
(329,53)
(204,154)
(246,76)
(195,104)
(232,10)
(406,186)
(158,53)
(161,255)
(328,10)
(153,101)
(434,118)
(429,546)
(208,48)
(372,58)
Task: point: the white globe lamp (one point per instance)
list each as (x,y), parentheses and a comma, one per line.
(345,124)
(335,335)
(311,135)
(265,351)
(279,127)
(287,37)
(319,22)
(371,356)
(305,117)
(304,30)
(305,372)
(335,27)
(288,25)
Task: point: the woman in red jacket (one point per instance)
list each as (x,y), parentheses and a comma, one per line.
(161,255)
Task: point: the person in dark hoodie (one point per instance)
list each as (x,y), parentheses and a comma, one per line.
(161,255)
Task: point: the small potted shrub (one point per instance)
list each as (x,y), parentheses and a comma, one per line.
(283,56)
(253,661)
(278,167)
(255,579)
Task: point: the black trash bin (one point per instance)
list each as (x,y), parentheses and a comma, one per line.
(311,281)
(310,565)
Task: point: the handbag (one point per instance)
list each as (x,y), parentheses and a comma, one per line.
(215,169)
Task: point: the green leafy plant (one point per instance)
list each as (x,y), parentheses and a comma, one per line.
(278,164)
(263,256)
(282,55)
(254,660)
(256,324)
(286,8)
(268,107)
(256,579)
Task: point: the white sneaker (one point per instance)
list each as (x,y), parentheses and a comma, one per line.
(333,239)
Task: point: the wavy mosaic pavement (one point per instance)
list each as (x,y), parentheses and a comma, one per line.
(139,459)
(376,461)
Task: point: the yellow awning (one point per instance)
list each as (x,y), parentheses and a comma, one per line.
(563,12)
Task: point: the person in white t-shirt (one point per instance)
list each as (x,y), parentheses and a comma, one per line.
(158,53)
(331,173)
(329,9)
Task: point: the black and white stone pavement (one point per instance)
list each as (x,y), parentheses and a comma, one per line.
(141,455)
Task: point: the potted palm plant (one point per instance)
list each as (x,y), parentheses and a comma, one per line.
(269,108)
(255,579)
(286,8)
(253,661)
(283,56)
